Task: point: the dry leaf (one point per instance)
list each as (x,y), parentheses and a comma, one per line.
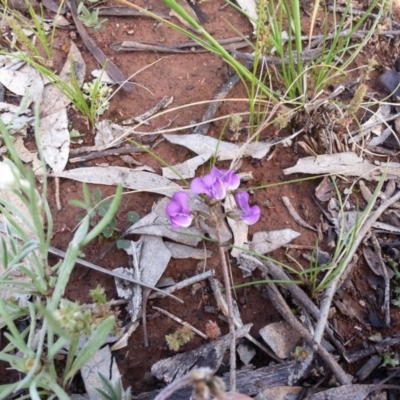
(129,178)
(54,133)
(265,242)
(346,164)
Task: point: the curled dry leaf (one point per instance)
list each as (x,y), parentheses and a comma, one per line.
(324,190)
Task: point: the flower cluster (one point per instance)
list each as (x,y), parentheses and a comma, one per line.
(215,186)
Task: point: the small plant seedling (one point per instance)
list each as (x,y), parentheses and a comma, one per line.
(97,94)
(113,390)
(390,360)
(98,295)
(180,337)
(89,18)
(97,208)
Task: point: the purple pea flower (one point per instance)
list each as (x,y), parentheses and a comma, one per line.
(250,215)
(216,183)
(178,210)
(209,185)
(228,177)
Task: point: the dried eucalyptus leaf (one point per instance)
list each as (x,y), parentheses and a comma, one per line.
(346,164)
(131,179)
(265,242)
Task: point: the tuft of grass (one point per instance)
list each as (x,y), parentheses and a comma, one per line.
(36,25)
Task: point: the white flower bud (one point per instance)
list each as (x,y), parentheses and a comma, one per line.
(10,177)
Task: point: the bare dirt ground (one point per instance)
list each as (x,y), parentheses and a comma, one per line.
(191,78)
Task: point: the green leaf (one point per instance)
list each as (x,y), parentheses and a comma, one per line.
(79,203)
(68,264)
(86,194)
(123,244)
(107,218)
(108,231)
(133,216)
(98,196)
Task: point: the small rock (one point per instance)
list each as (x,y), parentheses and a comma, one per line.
(390,80)
(281,337)
(246,352)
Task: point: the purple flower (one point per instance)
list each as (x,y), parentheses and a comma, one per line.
(178,210)
(250,215)
(216,183)
(209,185)
(229,178)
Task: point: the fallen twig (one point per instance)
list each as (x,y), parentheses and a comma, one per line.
(184,48)
(386,303)
(105,153)
(203,127)
(353,11)
(331,289)
(164,103)
(294,214)
(221,302)
(180,321)
(183,284)
(283,309)
(121,11)
(268,267)
(84,263)
(308,55)
(97,53)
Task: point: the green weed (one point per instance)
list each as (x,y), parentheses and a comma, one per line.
(97,208)
(55,323)
(89,18)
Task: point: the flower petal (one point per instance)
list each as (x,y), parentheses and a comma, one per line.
(218,190)
(181,220)
(178,210)
(242,199)
(230,179)
(183,199)
(197,186)
(209,185)
(252,215)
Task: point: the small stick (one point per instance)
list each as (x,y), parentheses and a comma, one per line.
(227,284)
(180,321)
(222,305)
(283,309)
(164,103)
(298,294)
(146,293)
(121,11)
(97,53)
(360,13)
(57,193)
(386,304)
(331,289)
(203,127)
(295,215)
(183,284)
(105,153)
